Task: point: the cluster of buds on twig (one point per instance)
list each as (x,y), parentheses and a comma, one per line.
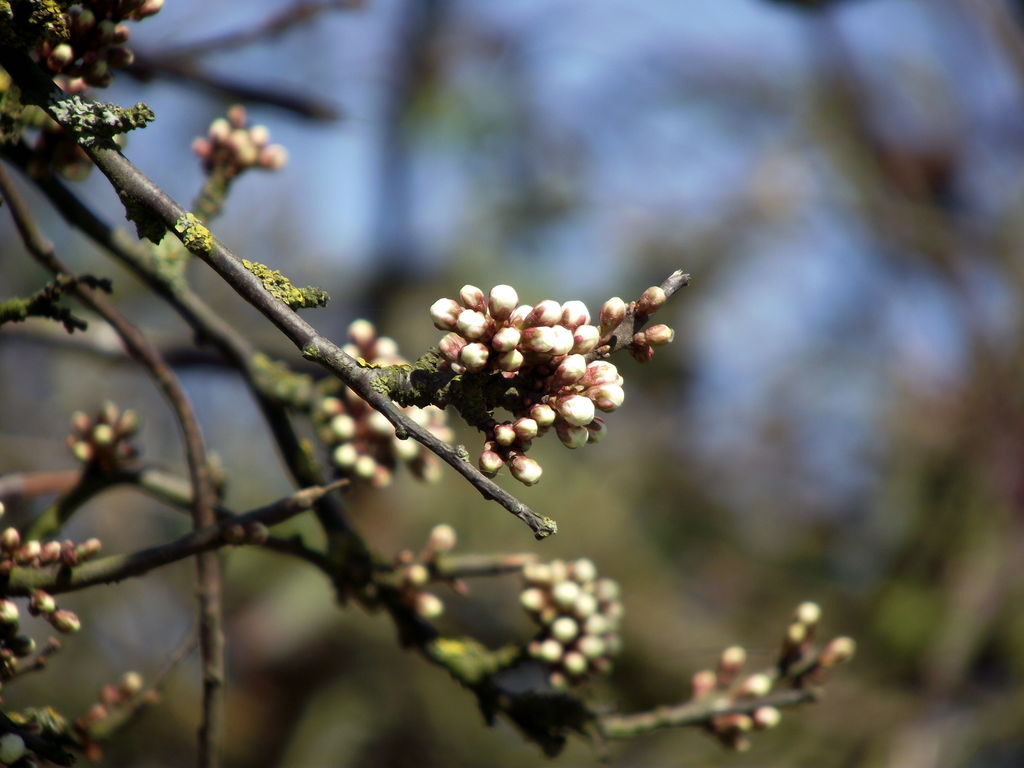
(33,553)
(361,441)
(414,571)
(547,353)
(799,665)
(97,42)
(114,702)
(15,646)
(579,616)
(230,146)
(102,442)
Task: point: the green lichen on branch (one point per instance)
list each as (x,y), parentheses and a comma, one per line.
(470,662)
(280,382)
(281,288)
(194,235)
(24,22)
(44,303)
(96,123)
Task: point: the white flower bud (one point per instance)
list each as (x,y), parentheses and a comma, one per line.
(766,717)
(510,361)
(525,428)
(416,575)
(565,593)
(490,463)
(378,423)
(575,663)
(345,456)
(808,613)
(472,324)
(607,397)
(572,436)
(343,427)
(612,312)
(591,646)
(596,624)
(219,130)
(585,605)
(575,314)
(504,434)
(547,312)
(442,538)
(577,410)
(564,629)
(405,450)
(543,414)
(365,467)
(533,599)
(562,340)
(361,332)
(474,356)
(584,570)
(518,317)
(526,470)
(540,339)
(429,606)
(659,335)
(12,748)
(585,338)
(569,371)
(472,298)
(503,300)
(651,300)
(606,590)
(755,686)
(505,339)
(550,651)
(598,431)
(451,345)
(600,372)
(538,574)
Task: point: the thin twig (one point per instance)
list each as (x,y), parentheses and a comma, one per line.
(207,565)
(57,579)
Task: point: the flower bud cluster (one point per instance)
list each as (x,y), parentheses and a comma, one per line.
(110,700)
(731,685)
(414,572)
(578,615)
(33,553)
(362,442)
(15,646)
(97,42)
(102,441)
(230,146)
(543,350)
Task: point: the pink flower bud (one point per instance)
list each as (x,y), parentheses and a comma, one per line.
(600,372)
(571,435)
(510,361)
(612,312)
(547,312)
(525,428)
(474,356)
(607,397)
(361,332)
(473,298)
(472,324)
(659,335)
(61,56)
(585,339)
(202,147)
(503,300)
(505,339)
(766,717)
(451,345)
(575,314)
(543,414)
(577,410)
(539,339)
(490,463)
(651,300)
(65,621)
(562,340)
(273,157)
(526,470)
(504,434)
(518,317)
(569,371)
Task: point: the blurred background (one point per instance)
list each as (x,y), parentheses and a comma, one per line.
(839,419)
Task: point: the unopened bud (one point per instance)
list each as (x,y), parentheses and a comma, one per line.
(838,651)
(572,436)
(445,314)
(130,683)
(503,301)
(471,324)
(585,338)
(755,686)
(575,314)
(65,621)
(539,339)
(533,599)
(545,313)
(590,646)
(61,56)
(416,575)
(702,683)
(442,538)
(510,361)
(766,717)
(732,659)
(597,431)
(659,335)
(577,410)
(361,332)
(543,414)
(612,313)
(451,345)
(365,467)
(473,298)
(651,300)
(490,463)
(525,429)
(42,603)
(550,651)
(564,593)
(607,397)
(103,434)
(88,548)
(8,612)
(12,748)
(429,606)
(561,340)
(526,470)
(273,157)
(21,645)
(10,540)
(575,663)
(564,629)
(807,613)
(474,356)
(505,339)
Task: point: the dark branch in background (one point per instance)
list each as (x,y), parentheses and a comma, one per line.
(44,303)
(178,62)
(58,579)
(207,566)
